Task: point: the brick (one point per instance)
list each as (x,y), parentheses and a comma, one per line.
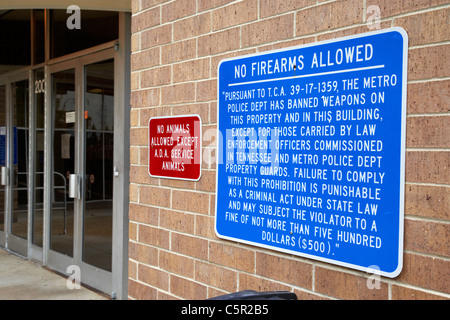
(143,214)
(403,293)
(132,270)
(304,295)
(192,27)
(426,272)
(427,201)
(143,156)
(427,167)
(268,30)
(427,27)
(135,6)
(177,9)
(145,98)
(145,20)
(346,286)
(139,291)
(156,77)
(135,42)
(154,277)
(146,113)
(156,36)
(206,90)
(155,196)
(429,62)
(187,289)
(154,236)
(134,117)
(428,132)
(215,60)
(144,59)
(202,109)
(175,263)
(213,112)
(232,256)
(190,246)
(275,7)
(234,14)
(190,201)
(218,42)
(389,8)
(209,4)
(177,221)
(134,192)
(175,183)
(138,136)
(216,276)
(348,32)
(139,174)
(250,282)
(143,253)
(135,80)
(285,270)
(191,70)
(132,231)
(178,51)
(428,97)
(427,237)
(329,16)
(207,181)
(178,93)
(204,227)
(145,4)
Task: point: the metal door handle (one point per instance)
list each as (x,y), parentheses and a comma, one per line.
(4,172)
(74,186)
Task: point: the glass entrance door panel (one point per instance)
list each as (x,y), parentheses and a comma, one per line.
(19,159)
(2,156)
(63,161)
(99,152)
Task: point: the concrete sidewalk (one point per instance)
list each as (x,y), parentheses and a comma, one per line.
(22,279)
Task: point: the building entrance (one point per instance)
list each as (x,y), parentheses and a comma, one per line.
(82,166)
(64,151)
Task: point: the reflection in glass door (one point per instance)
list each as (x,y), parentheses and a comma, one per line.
(63,161)
(99,153)
(2,157)
(19,159)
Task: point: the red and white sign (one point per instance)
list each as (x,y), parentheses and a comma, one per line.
(175,147)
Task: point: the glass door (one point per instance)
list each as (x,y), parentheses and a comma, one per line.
(81,165)
(14,162)
(62,161)
(18,167)
(98,158)
(2,163)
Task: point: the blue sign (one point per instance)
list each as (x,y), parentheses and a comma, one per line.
(3,146)
(311,150)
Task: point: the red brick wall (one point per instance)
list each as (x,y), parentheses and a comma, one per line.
(176,47)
